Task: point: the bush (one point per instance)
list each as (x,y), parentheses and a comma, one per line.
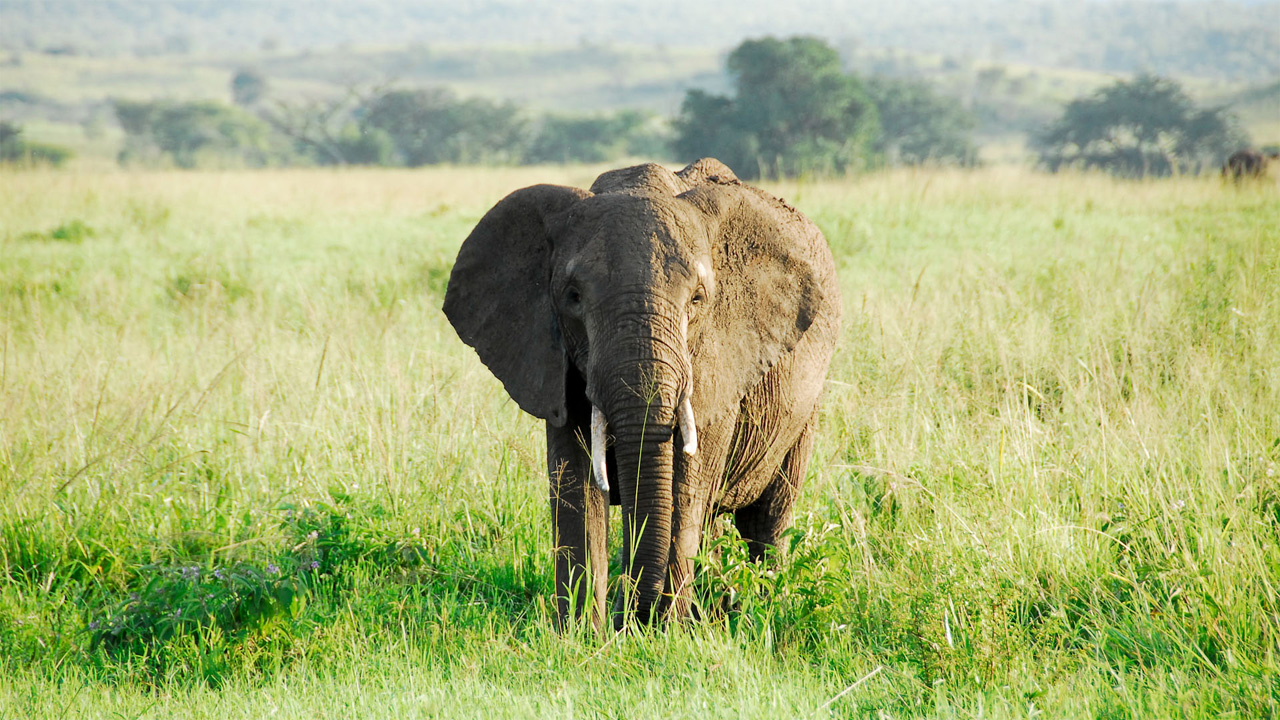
(588,139)
(15,150)
(195,133)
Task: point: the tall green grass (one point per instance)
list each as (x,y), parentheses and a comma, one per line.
(246,467)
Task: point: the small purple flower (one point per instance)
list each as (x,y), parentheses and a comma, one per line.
(271,568)
(93,625)
(218,573)
(315,564)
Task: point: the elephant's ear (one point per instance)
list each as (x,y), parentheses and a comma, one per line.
(774,277)
(498,298)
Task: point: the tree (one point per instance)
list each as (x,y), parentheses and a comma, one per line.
(795,111)
(190,131)
(14,149)
(919,126)
(329,130)
(1145,126)
(710,126)
(248,87)
(432,126)
(594,138)
(9,134)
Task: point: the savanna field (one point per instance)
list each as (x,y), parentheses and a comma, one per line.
(247,469)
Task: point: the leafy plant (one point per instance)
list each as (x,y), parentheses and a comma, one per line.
(72,231)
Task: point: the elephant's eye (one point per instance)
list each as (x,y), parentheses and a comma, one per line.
(572,297)
(698,297)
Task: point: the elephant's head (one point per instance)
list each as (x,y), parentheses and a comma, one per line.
(655,299)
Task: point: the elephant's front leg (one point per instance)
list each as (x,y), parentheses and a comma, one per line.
(579,527)
(696,487)
(686,533)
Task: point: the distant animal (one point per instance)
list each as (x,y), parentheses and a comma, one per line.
(1244,164)
(674,331)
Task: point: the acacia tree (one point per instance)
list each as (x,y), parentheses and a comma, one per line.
(918,126)
(329,130)
(795,111)
(1145,126)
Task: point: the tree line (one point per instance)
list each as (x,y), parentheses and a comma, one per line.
(408,128)
(794,110)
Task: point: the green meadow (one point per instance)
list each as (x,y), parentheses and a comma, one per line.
(247,469)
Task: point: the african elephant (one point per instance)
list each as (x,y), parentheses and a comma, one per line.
(654,306)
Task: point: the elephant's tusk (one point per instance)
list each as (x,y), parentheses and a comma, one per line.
(688,428)
(598,427)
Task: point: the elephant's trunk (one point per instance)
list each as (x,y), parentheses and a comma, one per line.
(644,391)
(640,398)
(645,469)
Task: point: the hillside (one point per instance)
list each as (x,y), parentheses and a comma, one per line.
(1229,40)
(1013,64)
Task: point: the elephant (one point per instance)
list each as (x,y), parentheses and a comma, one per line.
(1247,164)
(655,307)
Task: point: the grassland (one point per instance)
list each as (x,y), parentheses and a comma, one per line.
(247,469)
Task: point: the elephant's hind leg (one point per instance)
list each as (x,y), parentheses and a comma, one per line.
(762,522)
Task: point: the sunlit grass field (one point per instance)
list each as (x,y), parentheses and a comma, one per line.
(248,470)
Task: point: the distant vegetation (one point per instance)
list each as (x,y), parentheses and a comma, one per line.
(947,82)
(409,128)
(796,111)
(1147,126)
(14,149)
(193,133)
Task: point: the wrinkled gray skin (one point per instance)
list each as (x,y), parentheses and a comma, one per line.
(650,288)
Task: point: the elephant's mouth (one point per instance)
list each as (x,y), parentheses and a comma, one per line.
(600,428)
